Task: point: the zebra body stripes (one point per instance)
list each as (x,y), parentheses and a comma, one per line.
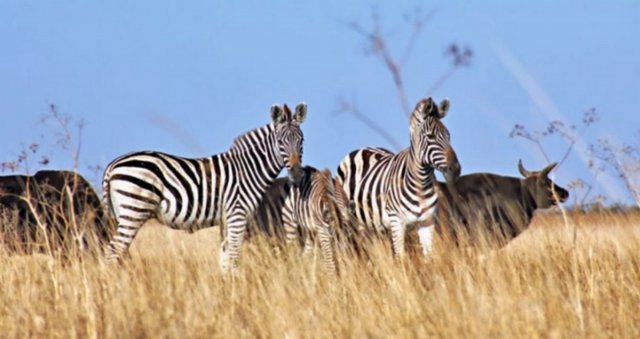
(312,213)
(191,194)
(393,192)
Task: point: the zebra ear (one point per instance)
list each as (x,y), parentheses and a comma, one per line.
(301,113)
(443,108)
(278,115)
(423,108)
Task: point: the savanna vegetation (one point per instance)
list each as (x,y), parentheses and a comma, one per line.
(574,273)
(575,276)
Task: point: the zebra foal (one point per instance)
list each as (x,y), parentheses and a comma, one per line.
(314,212)
(393,192)
(192,194)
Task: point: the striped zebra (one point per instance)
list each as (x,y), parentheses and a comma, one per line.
(313,212)
(394,192)
(191,194)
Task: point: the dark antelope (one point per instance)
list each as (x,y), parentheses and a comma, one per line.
(51,211)
(493,208)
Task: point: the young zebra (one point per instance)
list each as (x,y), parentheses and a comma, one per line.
(312,212)
(392,192)
(191,194)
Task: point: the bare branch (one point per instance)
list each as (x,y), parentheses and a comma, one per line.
(64,137)
(558,128)
(459,58)
(443,78)
(352,109)
(418,24)
(623,161)
(378,47)
(566,154)
(534,137)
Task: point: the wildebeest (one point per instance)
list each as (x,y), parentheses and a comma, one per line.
(494,209)
(51,211)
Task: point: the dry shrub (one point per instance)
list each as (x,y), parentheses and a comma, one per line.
(559,279)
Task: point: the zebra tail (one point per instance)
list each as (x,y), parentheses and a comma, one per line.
(106,188)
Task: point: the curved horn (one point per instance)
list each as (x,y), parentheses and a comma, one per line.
(548,169)
(523,171)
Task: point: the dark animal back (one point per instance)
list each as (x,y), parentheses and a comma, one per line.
(59,200)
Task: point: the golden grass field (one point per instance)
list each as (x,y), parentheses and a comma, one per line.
(542,285)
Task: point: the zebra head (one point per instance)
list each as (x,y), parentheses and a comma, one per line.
(289,138)
(430,140)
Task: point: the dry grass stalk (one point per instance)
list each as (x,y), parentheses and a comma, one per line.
(540,285)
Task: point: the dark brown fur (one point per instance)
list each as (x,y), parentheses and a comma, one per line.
(62,203)
(494,208)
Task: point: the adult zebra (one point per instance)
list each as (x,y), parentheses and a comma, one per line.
(392,192)
(191,194)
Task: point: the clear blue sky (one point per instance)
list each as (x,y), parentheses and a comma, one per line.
(186,77)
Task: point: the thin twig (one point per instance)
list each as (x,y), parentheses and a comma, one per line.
(418,26)
(377,45)
(352,108)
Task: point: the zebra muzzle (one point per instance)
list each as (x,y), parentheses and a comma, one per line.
(295,174)
(295,169)
(452,173)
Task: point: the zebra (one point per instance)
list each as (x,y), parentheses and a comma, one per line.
(395,192)
(313,212)
(191,194)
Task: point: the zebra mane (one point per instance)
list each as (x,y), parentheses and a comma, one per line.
(250,140)
(325,179)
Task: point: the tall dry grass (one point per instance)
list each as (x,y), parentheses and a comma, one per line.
(580,279)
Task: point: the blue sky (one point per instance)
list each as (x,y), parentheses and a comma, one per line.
(186,77)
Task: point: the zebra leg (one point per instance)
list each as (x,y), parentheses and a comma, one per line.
(398,232)
(290,223)
(130,212)
(309,246)
(325,236)
(426,239)
(232,243)
(119,244)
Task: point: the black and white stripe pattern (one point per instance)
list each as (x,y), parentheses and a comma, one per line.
(311,207)
(311,213)
(191,194)
(392,192)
